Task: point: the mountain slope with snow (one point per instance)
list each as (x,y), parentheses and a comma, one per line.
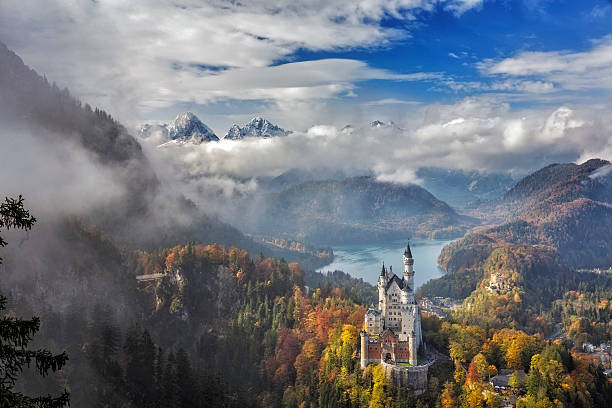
(185,128)
(257,127)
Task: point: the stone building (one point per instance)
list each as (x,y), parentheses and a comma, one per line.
(392,330)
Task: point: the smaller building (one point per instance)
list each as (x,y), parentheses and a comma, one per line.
(501,381)
(497,283)
(373,321)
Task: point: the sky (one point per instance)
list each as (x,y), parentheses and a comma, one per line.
(492,85)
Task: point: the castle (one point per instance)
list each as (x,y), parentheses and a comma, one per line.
(392,330)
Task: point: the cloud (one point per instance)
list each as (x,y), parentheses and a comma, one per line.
(390,101)
(599,11)
(475,133)
(55,175)
(316,79)
(133,57)
(590,69)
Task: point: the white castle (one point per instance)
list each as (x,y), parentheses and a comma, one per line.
(392,331)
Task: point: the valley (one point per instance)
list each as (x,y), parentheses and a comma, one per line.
(177,268)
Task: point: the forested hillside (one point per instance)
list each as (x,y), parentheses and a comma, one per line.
(523,273)
(221,329)
(567,207)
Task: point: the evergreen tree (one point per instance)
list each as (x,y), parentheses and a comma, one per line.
(139,368)
(16,333)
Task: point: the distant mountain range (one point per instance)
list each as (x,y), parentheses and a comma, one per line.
(188,128)
(357,209)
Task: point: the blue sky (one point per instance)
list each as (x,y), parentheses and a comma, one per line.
(499,85)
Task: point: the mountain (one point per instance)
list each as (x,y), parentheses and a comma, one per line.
(566,207)
(185,128)
(31,106)
(379,124)
(257,127)
(560,183)
(357,209)
(461,188)
(293,177)
(146,214)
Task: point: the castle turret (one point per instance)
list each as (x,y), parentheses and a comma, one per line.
(383,273)
(364,349)
(412,345)
(382,283)
(408,271)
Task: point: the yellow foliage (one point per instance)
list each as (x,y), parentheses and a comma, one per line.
(377,398)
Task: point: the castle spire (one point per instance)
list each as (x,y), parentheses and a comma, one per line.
(408,252)
(383,271)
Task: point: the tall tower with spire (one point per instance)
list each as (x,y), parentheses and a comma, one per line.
(382,284)
(408,275)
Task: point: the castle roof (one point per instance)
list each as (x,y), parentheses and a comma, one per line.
(408,252)
(372,311)
(400,282)
(387,332)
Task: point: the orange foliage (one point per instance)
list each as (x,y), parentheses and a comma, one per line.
(473,377)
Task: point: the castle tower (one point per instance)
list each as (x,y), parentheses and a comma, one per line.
(412,345)
(408,264)
(364,349)
(382,284)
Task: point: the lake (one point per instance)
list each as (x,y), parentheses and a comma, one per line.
(365,260)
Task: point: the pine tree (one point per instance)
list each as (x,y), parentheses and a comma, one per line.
(185,380)
(16,333)
(139,371)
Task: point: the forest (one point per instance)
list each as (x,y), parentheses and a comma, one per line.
(220,328)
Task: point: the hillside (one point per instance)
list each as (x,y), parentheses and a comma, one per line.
(560,220)
(557,184)
(352,210)
(219,329)
(567,207)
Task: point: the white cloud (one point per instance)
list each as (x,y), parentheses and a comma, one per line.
(145,54)
(599,10)
(475,133)
(590,69)
(391,101)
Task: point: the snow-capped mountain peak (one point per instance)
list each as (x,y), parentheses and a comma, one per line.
(379,124)
(256,127)
(185,128)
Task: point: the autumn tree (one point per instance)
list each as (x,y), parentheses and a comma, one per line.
(449,398)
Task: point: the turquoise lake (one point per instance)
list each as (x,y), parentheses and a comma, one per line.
(365,260)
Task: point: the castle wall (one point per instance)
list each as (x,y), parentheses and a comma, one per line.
(413,377)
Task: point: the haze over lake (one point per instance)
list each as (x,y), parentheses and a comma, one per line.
(365,260)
